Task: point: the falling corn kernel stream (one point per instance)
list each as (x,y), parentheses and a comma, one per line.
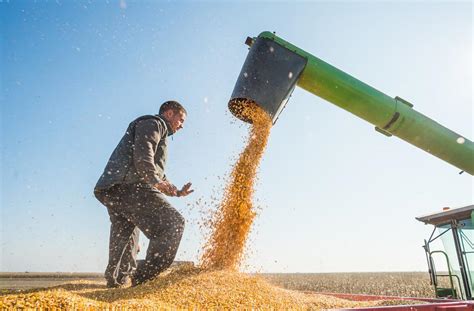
(232,222)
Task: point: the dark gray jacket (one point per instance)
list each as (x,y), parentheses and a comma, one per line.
(140,156)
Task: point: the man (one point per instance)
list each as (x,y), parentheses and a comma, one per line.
(132,188)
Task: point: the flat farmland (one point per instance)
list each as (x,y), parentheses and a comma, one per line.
(407,284)
(14,281)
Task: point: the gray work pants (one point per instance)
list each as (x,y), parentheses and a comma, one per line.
(133,207)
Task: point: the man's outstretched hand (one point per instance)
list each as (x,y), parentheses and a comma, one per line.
(167,188)
(185,190)
(170,190)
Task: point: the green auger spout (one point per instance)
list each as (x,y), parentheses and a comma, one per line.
(274,67)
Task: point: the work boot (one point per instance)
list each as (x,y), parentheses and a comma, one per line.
(136,281)
(125,282)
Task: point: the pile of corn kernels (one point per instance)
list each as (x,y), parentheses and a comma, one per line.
(183,287)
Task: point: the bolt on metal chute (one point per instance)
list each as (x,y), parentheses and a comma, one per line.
(274,67)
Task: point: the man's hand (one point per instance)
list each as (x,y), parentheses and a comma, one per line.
(167,188)
(185,190)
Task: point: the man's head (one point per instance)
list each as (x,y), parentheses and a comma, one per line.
(174,114)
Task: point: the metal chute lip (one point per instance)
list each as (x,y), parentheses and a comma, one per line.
(234,107)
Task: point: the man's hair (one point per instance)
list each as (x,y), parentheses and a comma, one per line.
(173,105)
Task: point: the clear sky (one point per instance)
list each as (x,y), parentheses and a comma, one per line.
(333,194)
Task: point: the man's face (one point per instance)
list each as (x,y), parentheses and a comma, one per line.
(175,119)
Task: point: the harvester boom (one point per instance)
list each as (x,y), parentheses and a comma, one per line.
(391,116)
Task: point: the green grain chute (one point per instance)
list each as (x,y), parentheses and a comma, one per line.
(274,67)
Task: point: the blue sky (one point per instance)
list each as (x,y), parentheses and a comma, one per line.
(333,194)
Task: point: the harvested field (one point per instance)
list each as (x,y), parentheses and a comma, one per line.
(405,284)
(181,287)
(11,281)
